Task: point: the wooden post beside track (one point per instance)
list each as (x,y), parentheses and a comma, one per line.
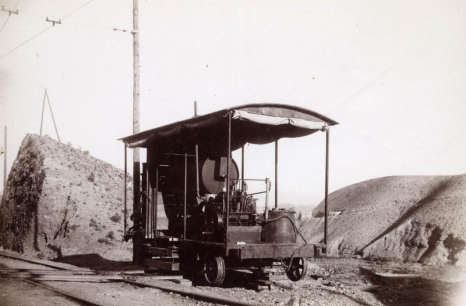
(3,204)
(326,184)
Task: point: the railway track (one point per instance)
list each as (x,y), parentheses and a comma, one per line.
(66,273)
(73,297)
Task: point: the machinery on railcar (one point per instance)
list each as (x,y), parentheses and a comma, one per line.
(192,210)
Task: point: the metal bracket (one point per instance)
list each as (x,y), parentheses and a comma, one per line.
(119,30)
(53,21)
(9,12)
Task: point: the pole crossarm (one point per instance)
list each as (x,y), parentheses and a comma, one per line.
(53,21)
(9,11)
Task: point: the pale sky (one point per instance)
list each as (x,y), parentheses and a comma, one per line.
(393,73)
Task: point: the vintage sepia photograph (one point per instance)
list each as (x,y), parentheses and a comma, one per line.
(215,152)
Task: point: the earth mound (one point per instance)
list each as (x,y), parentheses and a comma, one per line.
(61,202)
(407,218)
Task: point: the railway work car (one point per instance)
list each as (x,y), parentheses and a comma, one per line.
(192,210)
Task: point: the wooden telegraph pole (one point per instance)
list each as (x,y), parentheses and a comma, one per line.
(46,96)
(136,157)
(4,169)
(138,238)
(4,191)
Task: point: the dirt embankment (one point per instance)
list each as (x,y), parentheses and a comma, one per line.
(412,218)
(60,201)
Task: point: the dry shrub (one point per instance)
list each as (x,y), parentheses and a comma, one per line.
(91,177)
(111,235)
(104,240)
(116,218)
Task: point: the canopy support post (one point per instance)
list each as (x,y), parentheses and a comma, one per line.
(156,201)
(267,184)
(126,190)
(242,163)
(327,132)
(228,184)
(144,198)
(185,191)
(138,235)
(197,172)
(276,174)
(242,168)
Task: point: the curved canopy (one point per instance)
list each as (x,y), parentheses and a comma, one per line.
(252,123)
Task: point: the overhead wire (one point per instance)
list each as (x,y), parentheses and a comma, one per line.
(77,10)
(8,18)
(22,44)
(25,42)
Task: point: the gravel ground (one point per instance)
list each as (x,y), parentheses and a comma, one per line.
(329,282)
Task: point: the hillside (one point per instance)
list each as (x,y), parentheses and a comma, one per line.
(60,201)
(408,218)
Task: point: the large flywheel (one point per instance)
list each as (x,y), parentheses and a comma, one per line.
(214,270)
(297,269)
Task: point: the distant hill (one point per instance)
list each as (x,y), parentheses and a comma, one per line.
(409,218)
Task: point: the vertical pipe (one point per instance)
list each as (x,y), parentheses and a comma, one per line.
(195,108)
(156,200)
(144,198)
(147,201)
(276,174)
(126,191)
(228,184)
(152,200)
(185,191)
(242,164)
(136,192)
(267,182)
(197,172)
(326,185)
(137,218)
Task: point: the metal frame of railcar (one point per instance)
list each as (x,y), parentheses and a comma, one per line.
(240,252)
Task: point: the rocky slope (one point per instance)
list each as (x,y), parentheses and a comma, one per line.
(60,201)
(411,218)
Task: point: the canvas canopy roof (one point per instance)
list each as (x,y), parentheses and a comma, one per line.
(252,123)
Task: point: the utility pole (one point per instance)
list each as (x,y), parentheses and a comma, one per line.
(46,96)
(135,32)
(138,237)
(4,160)
(4,190)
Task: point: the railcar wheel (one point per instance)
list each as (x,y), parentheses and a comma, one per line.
(215,270)
(298,269)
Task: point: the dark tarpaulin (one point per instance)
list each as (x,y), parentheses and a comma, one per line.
(253,123)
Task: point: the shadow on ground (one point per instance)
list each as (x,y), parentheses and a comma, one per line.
(95,261)
(420,291)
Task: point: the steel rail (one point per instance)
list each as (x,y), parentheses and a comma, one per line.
(68,295)
(54,265)
(196,295)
